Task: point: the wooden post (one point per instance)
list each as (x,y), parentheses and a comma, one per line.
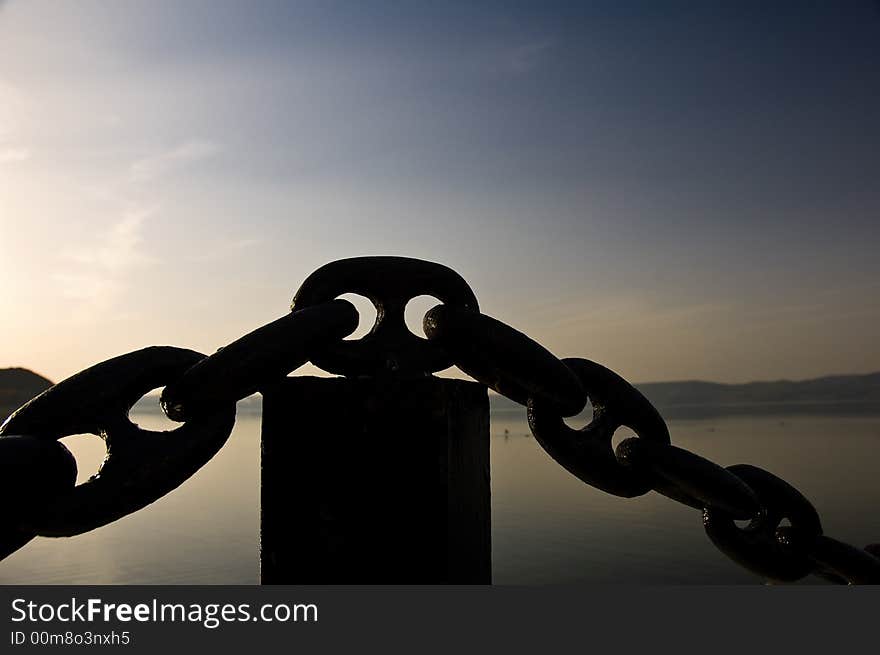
(375,481)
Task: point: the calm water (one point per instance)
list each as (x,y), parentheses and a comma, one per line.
(548,527)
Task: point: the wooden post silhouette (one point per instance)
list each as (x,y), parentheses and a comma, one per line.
(375,481)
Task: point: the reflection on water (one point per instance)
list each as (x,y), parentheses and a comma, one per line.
(548,527)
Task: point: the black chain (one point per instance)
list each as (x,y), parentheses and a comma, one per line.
(517,367)
(261,357)
(141,466)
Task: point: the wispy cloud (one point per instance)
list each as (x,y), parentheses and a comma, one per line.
(118,249)
(13,155)
(98,275)
(628,311)
(154,166)
(567,319)
(225,248)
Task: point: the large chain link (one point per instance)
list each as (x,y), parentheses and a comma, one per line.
(141,466)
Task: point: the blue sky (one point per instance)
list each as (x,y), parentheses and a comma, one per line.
(677,190)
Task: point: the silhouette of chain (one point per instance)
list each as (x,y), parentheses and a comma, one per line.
(522,370)
(782,540)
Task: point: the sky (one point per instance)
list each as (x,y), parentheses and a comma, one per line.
(681,190)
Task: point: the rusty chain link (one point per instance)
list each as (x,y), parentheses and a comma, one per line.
(201,392)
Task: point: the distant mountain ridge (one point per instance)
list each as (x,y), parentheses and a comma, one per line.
(824,390)
(17,386)
(831,393)
(689,398)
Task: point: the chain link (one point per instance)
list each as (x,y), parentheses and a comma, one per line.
(142,466)
(755,546)
(259,358)
(588,453)
(390,283)
(688,478)
(504,359)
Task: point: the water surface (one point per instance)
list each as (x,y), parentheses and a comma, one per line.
(548,527)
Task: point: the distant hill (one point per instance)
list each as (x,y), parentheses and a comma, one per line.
(834,394)
(17,386)
(692,398)
(829,389)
